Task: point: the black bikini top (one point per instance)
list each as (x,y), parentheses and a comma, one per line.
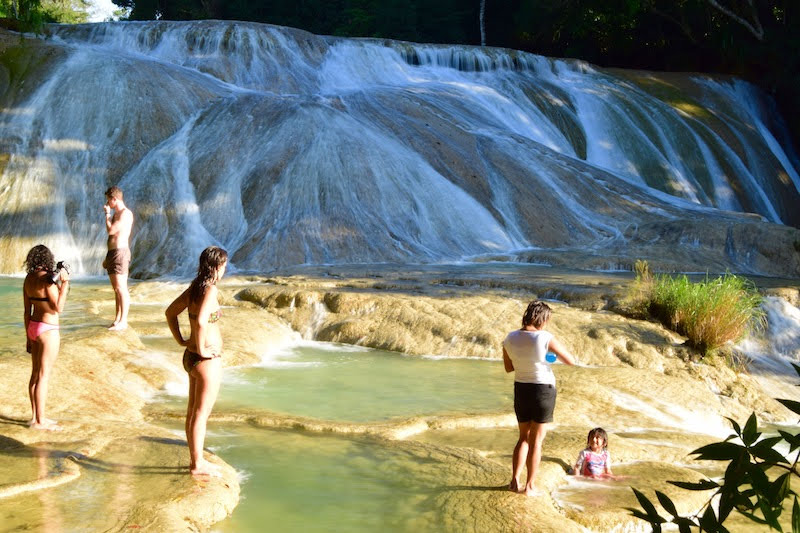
(43,299)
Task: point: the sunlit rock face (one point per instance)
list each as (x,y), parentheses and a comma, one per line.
(289,148)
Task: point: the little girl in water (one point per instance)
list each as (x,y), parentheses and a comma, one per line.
(595,461)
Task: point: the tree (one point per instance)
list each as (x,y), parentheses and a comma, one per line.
(483,26)
(65,11)
(753,25)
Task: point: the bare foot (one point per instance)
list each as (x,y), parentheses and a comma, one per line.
(122,326)
(513,486)
(531,492)
(204,468)
(48,425)
(45,422)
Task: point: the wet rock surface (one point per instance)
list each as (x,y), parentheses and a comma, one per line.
(636,380)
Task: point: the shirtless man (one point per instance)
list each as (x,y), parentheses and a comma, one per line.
(118,225)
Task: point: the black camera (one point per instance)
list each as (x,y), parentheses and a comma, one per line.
(57,272)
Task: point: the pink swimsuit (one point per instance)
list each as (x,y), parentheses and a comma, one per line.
(37,328)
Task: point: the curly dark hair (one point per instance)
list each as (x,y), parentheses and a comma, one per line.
(39,258)
(211,260)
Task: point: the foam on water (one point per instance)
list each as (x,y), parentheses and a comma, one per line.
(773,350)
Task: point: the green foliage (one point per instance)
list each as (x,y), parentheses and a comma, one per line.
(746,486)
(709,313)
(26,12)
(29,15)
(65,11)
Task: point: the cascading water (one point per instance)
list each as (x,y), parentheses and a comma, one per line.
(289,148)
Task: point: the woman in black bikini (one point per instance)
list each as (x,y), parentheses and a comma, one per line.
(202,357)
(43,299)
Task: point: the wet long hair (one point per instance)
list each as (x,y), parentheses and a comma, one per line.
(536,314)
(211,260)
(40,258)
(597,432)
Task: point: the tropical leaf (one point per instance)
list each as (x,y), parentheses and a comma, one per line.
(770,516)
(792,405)
(759,482)
(649,508)
(779,490)
(768,453)
(709,520)
(753,517)
(736,427)
(685,525)
(795,515)
(720,451)
(750,432)
(768,442)
(666,503)
(727,502)
(638,514)
(705,484)
(793,440)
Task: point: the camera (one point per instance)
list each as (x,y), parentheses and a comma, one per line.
(57,272)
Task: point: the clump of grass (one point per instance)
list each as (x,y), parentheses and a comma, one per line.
(708,313)
(637,300)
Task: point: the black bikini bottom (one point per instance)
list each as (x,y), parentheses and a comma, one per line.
(192,359)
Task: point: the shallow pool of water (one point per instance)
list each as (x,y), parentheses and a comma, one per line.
(299,481)
(338,383)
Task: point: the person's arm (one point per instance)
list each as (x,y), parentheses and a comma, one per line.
(26,317)
(109,223)
(208,304)
(562,353)
(509,366)
(576,470)
(175,308)
(57,294)
(114,227)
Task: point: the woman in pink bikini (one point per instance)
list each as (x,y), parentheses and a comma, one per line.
(202,358)
(44,294)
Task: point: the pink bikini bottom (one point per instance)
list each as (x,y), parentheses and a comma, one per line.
(37,328)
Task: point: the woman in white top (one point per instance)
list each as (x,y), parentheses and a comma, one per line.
(525,353)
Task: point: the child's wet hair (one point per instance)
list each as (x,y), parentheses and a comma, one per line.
(595,432)
(536,314)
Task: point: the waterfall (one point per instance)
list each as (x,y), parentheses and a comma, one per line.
(773,350)
(289,148)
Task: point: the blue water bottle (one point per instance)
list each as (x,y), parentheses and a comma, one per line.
(550,357)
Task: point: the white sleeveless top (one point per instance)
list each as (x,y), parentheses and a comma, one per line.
(527,350)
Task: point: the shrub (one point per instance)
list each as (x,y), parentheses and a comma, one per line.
(709,313)
(746,485)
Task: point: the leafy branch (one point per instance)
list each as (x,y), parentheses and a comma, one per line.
(745,487)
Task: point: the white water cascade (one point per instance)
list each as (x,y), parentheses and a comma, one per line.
(289,148)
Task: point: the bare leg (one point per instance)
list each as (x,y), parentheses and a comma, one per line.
(520,453)
(119,282)
(48,348)
(112,279)
(36,362)
(208,375)
(190,408)
(535,440)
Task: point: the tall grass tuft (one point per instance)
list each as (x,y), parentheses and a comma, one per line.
(709,313)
